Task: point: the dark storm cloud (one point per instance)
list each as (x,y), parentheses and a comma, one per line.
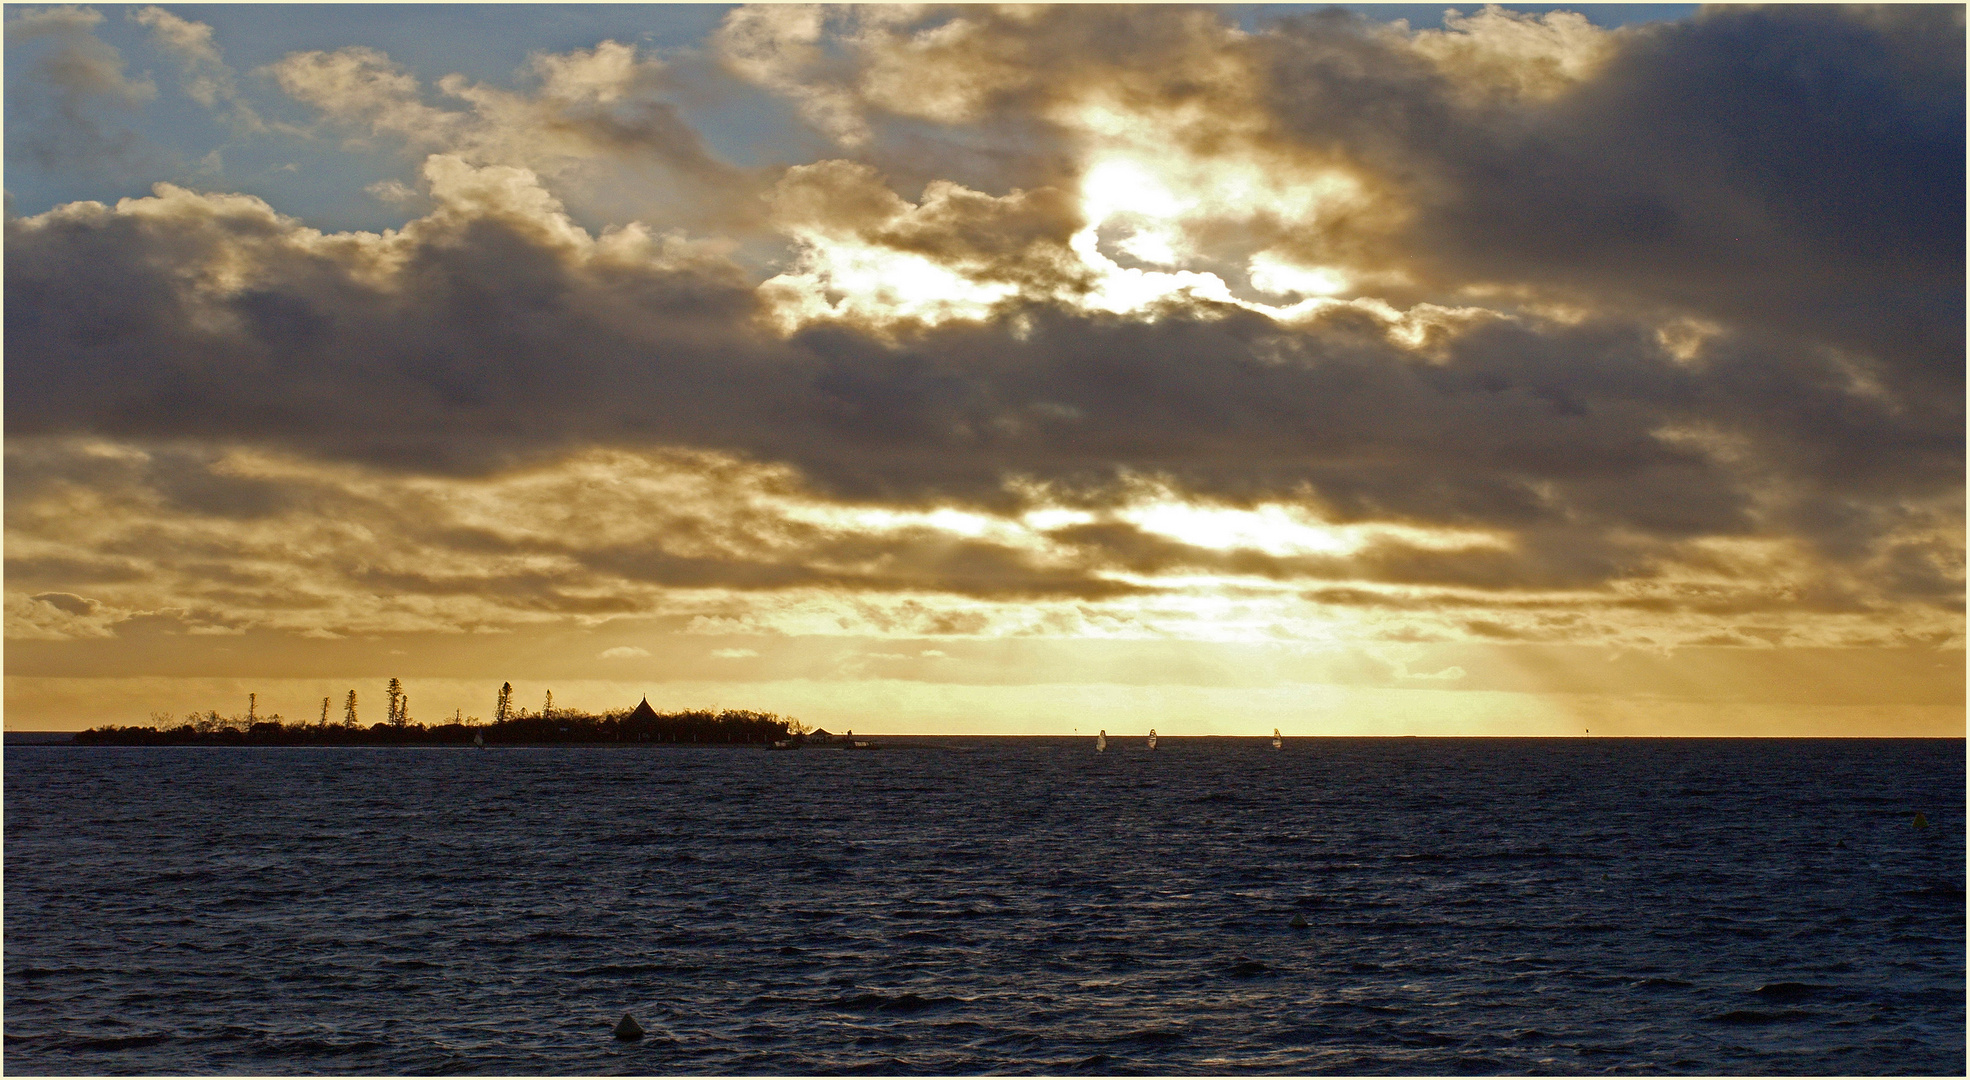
(483,346)
(490,347)
(1792,175)
(1793,171)
(1798,170)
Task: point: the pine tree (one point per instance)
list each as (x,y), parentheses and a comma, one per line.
(503,709)
(396,692)
(547,709)
(349,710)
(324,712)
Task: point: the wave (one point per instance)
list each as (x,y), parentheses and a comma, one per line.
(117,1042)
(1756,1016)
(908,1002)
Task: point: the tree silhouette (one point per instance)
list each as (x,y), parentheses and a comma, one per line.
(642,724)
(503,709)
(547,708)
(396,692)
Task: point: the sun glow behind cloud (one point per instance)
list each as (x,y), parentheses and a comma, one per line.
(607,533)
(862,255)
(835,278)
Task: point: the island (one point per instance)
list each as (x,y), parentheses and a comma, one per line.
(641,724)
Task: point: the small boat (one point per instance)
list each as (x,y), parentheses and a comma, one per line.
(1152,738)
(479,739)
(1275,738)
(1101,741)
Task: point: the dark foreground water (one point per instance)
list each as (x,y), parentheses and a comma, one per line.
(990,905)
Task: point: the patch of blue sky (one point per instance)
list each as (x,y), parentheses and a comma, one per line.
(107,149)
(484,42)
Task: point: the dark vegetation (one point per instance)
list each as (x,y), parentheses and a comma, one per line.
(727,726)
(508,728)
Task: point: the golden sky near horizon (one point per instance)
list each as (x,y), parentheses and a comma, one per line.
(994,369)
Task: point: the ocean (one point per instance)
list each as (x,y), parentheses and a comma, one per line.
(990,905)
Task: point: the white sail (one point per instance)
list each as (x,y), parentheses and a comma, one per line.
(1275,738)
(1152,738)
(1101,741)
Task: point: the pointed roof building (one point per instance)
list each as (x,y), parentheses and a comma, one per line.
(643,711)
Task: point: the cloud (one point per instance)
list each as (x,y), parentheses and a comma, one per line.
(1594,444)
(869,257)
(69,602)
(1503,331)
(208,80)
(180,540)
(596,120)
(80,74)
(623,652)
(734,654)
(80,64)
(1507,152)
(778,46)
(394,191)
(362,86)
(1517,54)
(59,616)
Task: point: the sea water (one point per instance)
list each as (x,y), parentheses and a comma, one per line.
(957,905)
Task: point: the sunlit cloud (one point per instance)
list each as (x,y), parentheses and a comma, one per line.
(1496,50)
(1072,325)
(607,535)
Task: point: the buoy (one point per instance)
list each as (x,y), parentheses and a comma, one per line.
(1299,921)
(1920,821)
(626,1028)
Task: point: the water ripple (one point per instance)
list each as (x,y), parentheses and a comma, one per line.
(989,905)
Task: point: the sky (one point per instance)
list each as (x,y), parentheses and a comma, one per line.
(1034,370)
